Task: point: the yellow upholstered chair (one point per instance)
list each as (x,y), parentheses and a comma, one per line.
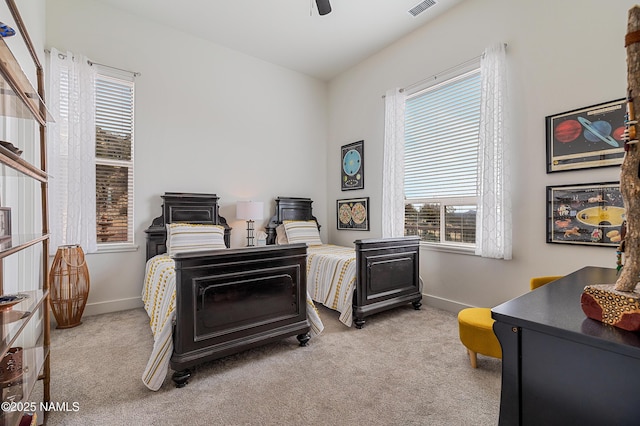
(476,334)
(476,327)
(536,282)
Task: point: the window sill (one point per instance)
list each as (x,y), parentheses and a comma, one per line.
(116,248)
(449,248)
(111,248)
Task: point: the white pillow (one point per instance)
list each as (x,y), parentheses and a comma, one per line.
(190,237)
(281,235)
(302,231)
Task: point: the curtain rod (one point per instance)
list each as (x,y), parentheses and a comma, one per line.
(441,73)
(134,73)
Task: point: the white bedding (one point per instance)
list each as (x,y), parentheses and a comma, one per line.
(159,298)
(331,278)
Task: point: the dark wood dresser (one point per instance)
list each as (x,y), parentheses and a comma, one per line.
(562,368)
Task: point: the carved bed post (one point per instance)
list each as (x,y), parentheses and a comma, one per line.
(629,180)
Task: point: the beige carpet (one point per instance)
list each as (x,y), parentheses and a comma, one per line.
(405,367)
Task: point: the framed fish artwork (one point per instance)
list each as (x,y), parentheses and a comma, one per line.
(587,137)
(591,214)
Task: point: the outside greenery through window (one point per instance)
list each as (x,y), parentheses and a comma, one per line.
(114,159)
(441,150)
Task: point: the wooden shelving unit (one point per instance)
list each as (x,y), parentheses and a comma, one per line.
(25,326)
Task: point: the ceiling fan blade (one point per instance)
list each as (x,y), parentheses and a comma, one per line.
(323,6)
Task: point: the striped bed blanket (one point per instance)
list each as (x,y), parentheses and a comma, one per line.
(159,298)
(331,278)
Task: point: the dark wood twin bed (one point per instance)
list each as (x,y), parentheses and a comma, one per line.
(227,301)
(388,272)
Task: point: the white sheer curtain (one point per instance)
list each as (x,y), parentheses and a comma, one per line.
(393,165)
(493,226)
(71,151)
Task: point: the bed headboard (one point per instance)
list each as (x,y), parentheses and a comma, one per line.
(183,207)
(289,208)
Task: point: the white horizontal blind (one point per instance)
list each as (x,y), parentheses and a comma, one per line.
(423,219)
(114,159)
(441,139)
(460,224)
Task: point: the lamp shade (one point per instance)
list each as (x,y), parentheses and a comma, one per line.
(249,210)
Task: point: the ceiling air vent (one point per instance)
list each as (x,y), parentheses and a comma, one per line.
(421,7)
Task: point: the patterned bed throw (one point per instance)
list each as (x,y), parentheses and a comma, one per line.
(331,278)
(159,298)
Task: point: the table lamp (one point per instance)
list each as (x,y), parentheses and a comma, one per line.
(249,211)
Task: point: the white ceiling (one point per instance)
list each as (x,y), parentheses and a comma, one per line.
(290,33)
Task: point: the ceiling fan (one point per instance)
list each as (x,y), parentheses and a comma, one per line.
(323,7)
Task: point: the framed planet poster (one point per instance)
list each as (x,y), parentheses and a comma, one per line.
(353,214)
(352,166)
(586,137)
(590,214)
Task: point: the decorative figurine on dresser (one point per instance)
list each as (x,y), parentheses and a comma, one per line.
(619,304)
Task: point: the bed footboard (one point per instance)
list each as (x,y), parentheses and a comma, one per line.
(388,275)
(231,300)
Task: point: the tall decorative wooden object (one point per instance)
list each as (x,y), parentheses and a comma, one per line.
(69,285)
(619,304)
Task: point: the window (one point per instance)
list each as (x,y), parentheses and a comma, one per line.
(441,154)
(114,158)
(90,153)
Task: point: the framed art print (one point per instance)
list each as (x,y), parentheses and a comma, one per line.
(353,214)
(5,222)
(589,214)
(586,137)
(352,166)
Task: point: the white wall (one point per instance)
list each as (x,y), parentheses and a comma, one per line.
(33,15)
(208,119)
(562,55)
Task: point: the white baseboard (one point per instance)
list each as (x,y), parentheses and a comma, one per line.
(112,306)
(442,303)
(136,302)
(106,307)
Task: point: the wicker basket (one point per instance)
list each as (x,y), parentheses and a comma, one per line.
(69,285)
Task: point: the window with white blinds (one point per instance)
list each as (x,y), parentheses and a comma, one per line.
(114,159)
(441,154)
